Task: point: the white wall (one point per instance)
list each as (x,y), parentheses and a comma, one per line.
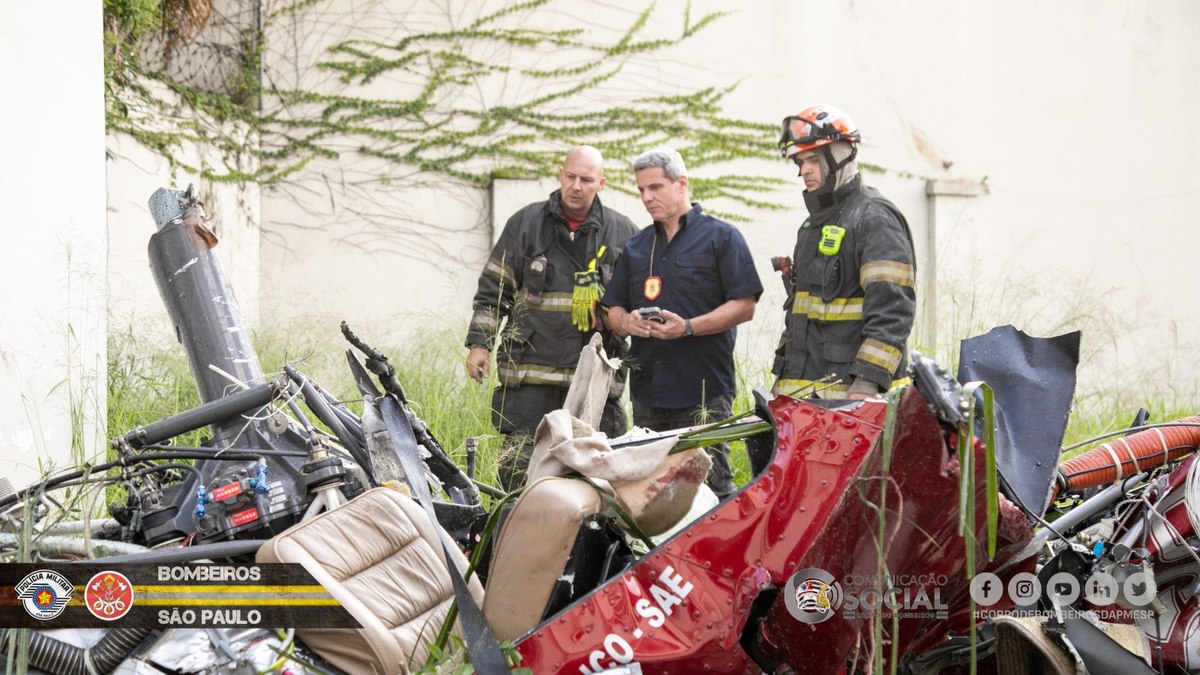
(52,318)
(1070,120)
(135,173)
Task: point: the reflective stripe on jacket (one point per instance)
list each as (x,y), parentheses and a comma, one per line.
(529,280)
(852,311)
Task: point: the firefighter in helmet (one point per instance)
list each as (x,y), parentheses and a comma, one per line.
(851,292)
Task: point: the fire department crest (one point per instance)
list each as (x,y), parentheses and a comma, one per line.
(109,595)
(44,594)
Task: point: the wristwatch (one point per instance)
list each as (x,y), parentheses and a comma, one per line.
(687,328)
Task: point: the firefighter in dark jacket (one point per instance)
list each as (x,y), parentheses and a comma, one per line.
(851,288)
(544,276)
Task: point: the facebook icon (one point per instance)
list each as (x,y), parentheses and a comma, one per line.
(986,589)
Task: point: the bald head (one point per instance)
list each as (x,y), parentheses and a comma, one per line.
(581,177)
(585,155)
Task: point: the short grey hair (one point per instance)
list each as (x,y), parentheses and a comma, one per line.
(670,161)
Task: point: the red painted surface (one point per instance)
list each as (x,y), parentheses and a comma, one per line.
(226,491)
(809,508)
(1176,632)
(242,517)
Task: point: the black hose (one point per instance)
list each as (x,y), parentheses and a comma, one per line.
(115,646)
(203,415)
(59,658)
(51,655)
(213,551)
(183,453)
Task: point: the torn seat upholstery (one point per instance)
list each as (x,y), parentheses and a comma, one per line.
(546,528)
(532,551)
(380,557)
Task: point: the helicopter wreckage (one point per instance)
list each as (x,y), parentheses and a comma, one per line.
(892,533)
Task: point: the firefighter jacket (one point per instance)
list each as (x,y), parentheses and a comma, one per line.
(854,298)
(530,280)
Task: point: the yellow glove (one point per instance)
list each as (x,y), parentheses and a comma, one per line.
(586,294)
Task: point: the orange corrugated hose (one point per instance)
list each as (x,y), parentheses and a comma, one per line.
(1127,456)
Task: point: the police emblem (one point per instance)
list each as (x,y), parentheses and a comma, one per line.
(44,594)
(108,596)
(652,288)
(812,595)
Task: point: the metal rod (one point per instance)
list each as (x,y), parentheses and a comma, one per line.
(317,404)
(1099,503)
(200,416)
(77,546)
(488,489)
(472,447)
(351,421)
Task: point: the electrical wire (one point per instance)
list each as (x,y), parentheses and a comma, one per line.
(1126,430)
(285,650)
(164,467)
(1174,531)
(66,479)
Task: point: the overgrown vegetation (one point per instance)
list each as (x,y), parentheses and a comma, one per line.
(1112,397)
(147,384)
(437,104)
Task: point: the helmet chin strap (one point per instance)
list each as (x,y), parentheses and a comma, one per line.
(826,195)
(835,167)
(830,181)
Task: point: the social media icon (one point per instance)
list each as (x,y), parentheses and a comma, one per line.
(1024,588)
(1140,589)
(1064,587)
(1101,589)
(986,589)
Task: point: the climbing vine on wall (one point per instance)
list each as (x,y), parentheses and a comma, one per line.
(495,95)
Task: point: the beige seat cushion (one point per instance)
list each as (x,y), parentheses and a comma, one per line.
(660,500)
(381,558)
(532,551)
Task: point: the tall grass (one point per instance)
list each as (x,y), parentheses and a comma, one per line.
(146,382)
(1109,389)
(150,381)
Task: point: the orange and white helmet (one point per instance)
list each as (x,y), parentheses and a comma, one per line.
(816,126)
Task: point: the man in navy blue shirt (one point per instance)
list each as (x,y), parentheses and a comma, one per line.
(698,272)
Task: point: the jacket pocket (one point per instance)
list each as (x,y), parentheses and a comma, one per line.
(840,346)
(831,279)
(698,272)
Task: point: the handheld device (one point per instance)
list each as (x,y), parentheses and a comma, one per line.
(651,314)
(831,239)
